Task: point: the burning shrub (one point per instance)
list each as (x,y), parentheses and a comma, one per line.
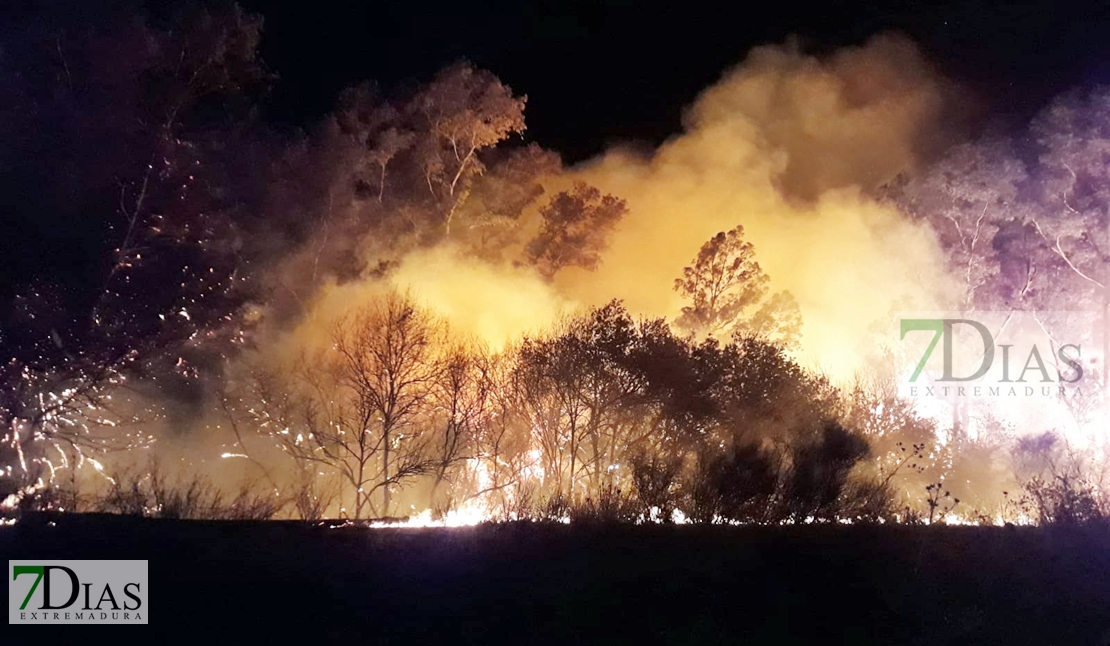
(868,501)
(556,508)
(519,504)
(127,496)
(311,498)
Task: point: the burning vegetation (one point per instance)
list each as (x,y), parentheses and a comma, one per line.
(411,311)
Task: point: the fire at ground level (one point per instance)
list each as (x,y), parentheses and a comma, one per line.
(535,583)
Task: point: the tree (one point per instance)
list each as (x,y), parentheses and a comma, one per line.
(555,398)
(761,393)
(387,173)
(110,142)
(462,112)
(967,197)
(583,394)
(724,282)
(363,407)
(505,466)
(818,472)
(736,484)
(510,185)
(1074,136)
(463,398)
(575,229)
(377,127)
(1030,236)
(676,391)
(904,445)
(778,321)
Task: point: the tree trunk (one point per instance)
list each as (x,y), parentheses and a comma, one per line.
(573,456)
(385,475)
(358,494)
(441,474)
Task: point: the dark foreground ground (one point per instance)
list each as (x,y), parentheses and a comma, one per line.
(217,583)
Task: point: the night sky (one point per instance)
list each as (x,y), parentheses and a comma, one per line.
(596,73)
(600,72)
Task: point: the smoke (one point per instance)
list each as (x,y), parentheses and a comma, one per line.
(790,146)
(493,304)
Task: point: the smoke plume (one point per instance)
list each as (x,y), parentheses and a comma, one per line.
(791,147)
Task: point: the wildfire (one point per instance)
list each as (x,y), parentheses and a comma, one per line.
(465,320)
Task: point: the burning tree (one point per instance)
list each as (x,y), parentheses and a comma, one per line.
(503,459)
(464,400)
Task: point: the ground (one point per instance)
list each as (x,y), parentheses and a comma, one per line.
(525,583)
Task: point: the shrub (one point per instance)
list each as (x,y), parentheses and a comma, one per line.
(737,485)
(655,480)
(153,495)
(610,506)
(819,473)
(1062,499)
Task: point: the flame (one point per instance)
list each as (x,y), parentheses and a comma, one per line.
(466,516)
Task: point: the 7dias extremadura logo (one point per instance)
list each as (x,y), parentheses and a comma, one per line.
(77,592)
(1002,354)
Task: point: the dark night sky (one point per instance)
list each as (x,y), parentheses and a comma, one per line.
(596,71)
(601,71)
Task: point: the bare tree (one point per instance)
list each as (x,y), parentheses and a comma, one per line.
(503,455)
(463,396)
(365,406)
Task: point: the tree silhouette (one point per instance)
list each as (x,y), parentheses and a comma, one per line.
(110,143)
(727,290)
(722,282)
(575,229)
(364,407)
